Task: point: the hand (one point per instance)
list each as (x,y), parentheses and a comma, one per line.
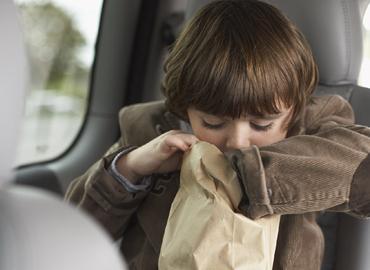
(161,155)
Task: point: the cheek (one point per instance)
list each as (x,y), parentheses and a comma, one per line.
(209,136)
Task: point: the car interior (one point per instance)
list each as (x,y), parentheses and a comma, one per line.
(132,42)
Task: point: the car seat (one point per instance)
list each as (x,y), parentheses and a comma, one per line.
(37,230)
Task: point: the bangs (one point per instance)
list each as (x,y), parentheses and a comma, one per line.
(239,103)
(235,89)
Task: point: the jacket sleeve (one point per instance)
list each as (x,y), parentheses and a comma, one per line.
(327,168)
(98,193)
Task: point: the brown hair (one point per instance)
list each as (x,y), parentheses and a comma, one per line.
(239,57)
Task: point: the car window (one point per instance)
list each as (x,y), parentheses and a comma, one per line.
(60,38)
(364,78)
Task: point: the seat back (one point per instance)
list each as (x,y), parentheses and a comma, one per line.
(37,230)
(13,80)
(40,232)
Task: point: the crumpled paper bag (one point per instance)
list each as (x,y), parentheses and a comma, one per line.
(203,230)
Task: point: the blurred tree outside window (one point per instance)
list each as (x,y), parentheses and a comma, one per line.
(364,78)
(60,37)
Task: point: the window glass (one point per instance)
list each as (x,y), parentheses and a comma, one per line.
(364,78)
(60,36)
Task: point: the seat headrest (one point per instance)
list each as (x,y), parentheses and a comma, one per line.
(333,29)
(41,232)
(13,80)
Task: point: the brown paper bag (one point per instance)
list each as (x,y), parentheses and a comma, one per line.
(203,231)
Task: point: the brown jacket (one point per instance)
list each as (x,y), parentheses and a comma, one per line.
(323,165)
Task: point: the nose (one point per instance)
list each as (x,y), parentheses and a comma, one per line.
(239,137)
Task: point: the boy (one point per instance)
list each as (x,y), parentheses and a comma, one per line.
(240,76)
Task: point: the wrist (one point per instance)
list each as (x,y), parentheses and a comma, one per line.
(124,167)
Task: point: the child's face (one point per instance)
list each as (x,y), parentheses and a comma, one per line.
(228,134)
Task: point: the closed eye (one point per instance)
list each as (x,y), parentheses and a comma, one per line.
(261,127)
(212,126)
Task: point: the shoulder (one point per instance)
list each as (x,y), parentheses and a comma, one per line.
(140,123)
(142,111)
(327,101)
(326,107)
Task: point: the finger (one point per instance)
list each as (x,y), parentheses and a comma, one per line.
(174,143)
(189,139)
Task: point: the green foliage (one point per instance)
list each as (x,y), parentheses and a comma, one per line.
(54,43)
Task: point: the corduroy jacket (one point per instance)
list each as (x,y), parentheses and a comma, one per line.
(323,165)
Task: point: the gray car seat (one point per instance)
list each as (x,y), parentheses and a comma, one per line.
(334,30)
(37,230)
